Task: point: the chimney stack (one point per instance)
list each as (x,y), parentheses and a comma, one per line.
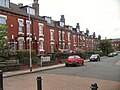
(35,5)
(78,26)
(62,19)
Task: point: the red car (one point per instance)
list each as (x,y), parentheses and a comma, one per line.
(74,60)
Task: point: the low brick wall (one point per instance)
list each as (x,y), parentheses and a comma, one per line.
(10,68)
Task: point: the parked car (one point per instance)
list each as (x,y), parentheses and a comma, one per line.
(118,52)
(110,55)
(115,53)
(74,60)
(95,57)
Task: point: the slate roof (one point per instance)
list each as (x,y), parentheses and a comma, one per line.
(14,8)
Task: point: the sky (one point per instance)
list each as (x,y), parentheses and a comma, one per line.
(99,16)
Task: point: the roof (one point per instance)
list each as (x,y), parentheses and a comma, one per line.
(14,8)
(116,40)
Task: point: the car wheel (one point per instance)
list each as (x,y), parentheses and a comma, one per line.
(83,63)
(66,65)
(76,64)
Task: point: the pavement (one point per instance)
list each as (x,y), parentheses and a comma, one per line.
(27,71)
(59,82)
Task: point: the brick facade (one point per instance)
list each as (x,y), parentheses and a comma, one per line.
(54,35)
(116,44)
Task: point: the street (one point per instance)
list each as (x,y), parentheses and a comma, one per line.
(106,73)
(106,69)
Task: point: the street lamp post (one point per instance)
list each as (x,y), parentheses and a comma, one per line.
(35,1)
(30,44)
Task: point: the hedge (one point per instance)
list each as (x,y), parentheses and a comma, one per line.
(24,55)
(84,55)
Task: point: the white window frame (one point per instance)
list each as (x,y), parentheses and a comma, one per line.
(52,48)
(74,38)
(4,17)
(30,10)
(21,44)
(28,27)
(40,26)
(68,36)
(62,24)
(41,45)
(5,3)
(69,45)
(59,35)
(78,40)
(83,37)
(63,36)
(51,34)
(63,45)
(20,26)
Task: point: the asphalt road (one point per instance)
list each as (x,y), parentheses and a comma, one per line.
(105,69)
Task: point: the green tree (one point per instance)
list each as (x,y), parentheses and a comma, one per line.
(3,34)
(106,46)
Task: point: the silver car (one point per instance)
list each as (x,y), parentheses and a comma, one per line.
(95,57)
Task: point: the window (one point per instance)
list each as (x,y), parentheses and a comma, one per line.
(74,38)
(30,11)
(80,37)
(70,27)
(28,27)
(41,45)
(20,25)
(59,36)
(83,38)
(20,44)
(68,36)
(52,48)
(63,45)
(61,24)
(63,33)
(78,40)
(2,20)
(5,3)
(48,19)
(78,30)
(68,45)
(40,29)
(51,34)
(12,44)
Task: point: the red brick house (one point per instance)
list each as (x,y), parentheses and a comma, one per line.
(21,28)
(116,44)
(27,28)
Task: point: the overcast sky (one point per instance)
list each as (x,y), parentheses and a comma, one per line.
(100,16)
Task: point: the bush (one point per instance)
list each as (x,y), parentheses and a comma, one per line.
(24,55)
(89,53)
(63,55)
(7,53)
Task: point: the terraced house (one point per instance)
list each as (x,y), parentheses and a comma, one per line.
(27,28)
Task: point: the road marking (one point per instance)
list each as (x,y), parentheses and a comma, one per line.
(118,63)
